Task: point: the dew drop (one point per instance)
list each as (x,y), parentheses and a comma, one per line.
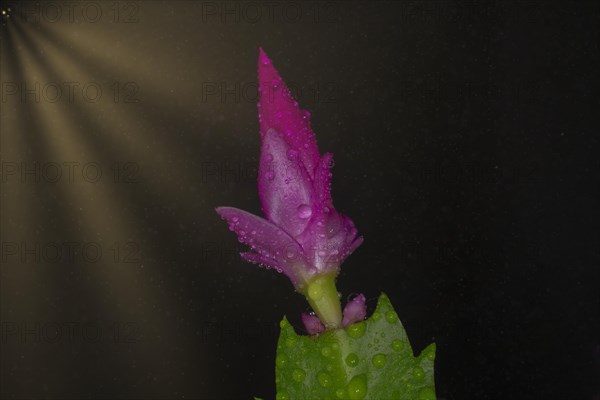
(281,360)
(235,219)
(376,316)
(427,394)
(357,387)
(304,211)
(298,375)
(352,360)
(326,351)
(292,154)
(391,317)
(324,379)
(418,373)
(315,291)
(431,355)
(356,330)
(378,360)
(270,175)
(282,396)
(397,345)
(290,342)
(340,393)
(269,157)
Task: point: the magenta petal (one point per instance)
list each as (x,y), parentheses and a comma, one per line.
(271,245)
(322,185)
(284,187)
(355,310)
(277,109)
(312,323)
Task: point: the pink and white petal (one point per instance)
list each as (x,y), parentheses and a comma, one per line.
(274,246)
(284,187)
(312,323)
(277,109)
(355,310)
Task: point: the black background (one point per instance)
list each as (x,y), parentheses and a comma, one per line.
(466,144)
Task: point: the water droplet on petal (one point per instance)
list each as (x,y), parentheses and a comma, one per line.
(269,157)
(292,154)
(304,211)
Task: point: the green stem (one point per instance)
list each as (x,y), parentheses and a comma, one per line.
(323,297)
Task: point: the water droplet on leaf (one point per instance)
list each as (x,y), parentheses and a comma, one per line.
(298,375)
(397,345)
(357,387)
(356,330)
(352,360)
(378,360)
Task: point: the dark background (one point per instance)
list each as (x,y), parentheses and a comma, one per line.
(466,144)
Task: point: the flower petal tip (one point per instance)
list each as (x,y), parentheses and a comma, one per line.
(312,323)
(355,310)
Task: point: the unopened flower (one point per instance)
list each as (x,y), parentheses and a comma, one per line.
(302,235)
